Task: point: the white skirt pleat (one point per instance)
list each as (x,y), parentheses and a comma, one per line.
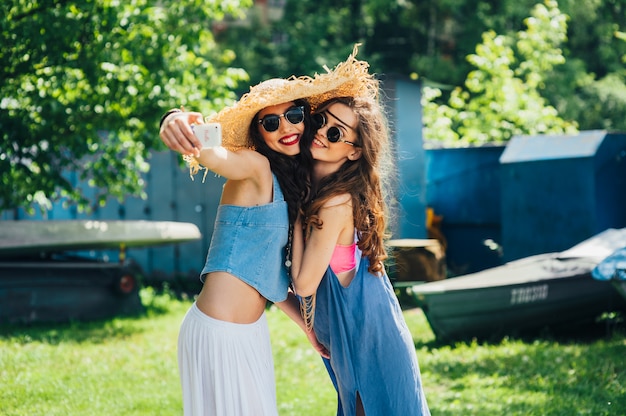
(226,369)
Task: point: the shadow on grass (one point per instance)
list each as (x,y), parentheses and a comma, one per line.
(154,302)
(75,331)
(579,332)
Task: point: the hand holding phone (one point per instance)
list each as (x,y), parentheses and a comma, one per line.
(210,134)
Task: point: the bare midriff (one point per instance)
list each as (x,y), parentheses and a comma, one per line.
(226,298)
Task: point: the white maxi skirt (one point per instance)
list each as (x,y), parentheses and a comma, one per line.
(226,369)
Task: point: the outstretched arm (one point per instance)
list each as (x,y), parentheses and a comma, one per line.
(176,134)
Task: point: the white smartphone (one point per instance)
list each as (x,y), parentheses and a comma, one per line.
(210,134)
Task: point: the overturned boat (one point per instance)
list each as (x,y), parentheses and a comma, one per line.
(57,271)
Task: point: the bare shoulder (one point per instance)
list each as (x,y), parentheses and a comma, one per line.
(252,166)
(338,206)
(338,220)
(339,200)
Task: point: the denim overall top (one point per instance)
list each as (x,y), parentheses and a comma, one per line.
(371,349)
(249,243)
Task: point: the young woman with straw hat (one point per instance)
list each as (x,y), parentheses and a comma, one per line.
(224,354)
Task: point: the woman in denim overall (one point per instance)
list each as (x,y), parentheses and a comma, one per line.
(351,304)
(224,353)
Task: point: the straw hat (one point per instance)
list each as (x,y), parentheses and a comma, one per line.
(348,79)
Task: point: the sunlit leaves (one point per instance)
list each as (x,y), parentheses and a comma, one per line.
(502,95)
(85,82)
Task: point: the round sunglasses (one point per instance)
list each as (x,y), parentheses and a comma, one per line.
(271,122)
(333,134)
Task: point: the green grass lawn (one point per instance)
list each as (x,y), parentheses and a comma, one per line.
(127,366)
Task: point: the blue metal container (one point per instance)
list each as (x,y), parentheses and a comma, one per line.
(559,190)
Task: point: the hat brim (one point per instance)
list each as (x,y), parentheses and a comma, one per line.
(350,78)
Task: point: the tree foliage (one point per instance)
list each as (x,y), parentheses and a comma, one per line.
(433,39)
(502,96)
(84,83)
(298,39)
(590,86)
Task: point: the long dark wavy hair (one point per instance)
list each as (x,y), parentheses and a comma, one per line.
(292,172)
(365,179)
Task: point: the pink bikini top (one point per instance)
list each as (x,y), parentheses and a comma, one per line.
(343,258)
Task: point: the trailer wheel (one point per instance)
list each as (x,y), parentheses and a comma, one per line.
(126,284)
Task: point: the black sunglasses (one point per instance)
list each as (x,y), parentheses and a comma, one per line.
(271,122)
(333,134)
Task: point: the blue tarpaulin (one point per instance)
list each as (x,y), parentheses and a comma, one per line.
(612,267)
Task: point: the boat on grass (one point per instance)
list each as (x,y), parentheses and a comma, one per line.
(46,275)
(24,237)
(545,290)
(67,288)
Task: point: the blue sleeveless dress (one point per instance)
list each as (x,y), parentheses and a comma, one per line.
(371,349)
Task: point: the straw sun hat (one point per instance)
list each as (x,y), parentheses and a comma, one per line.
(348,79)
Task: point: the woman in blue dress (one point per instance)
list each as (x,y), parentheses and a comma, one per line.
(351,304)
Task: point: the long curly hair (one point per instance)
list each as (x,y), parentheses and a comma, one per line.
(364,179)
(292,172)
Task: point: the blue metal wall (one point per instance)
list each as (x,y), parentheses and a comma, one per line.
(463,185)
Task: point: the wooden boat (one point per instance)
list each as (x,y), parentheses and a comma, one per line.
(528,294)
(45,276)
